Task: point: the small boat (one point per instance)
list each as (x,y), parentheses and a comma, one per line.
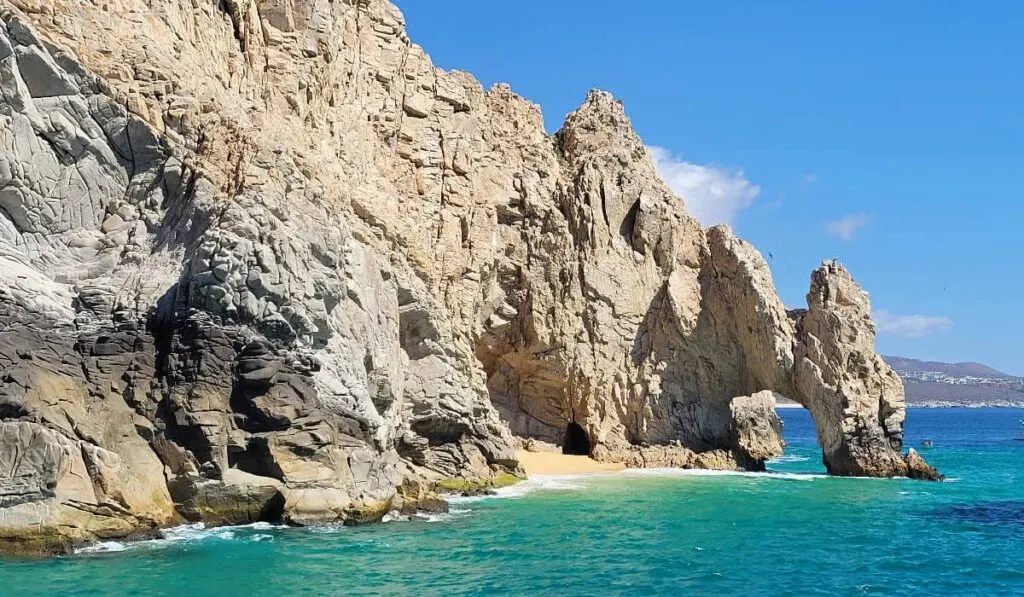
(927,443)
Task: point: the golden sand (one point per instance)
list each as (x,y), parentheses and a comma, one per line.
(552,463)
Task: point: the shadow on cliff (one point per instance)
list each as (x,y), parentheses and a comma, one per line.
(695,388)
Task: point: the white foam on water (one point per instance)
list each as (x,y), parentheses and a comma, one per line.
(199,532)
(185,532)
(195,532)
(770,474)
(452,514)
(788,458)
(433,517)
(538,483)
(189,533)
(532,485)
(395,516)
(693,472)
(263,526)
(103,547)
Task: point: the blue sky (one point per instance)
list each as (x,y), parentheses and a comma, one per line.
(887,134)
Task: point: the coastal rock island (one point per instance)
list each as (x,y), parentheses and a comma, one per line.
(261,260)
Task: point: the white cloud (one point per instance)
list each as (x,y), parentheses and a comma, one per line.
(712,194)
(845,227)
(910,326)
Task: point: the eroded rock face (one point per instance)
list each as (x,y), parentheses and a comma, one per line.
(856,399)
(262,259)
(756,429)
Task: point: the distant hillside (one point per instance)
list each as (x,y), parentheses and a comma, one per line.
(953,369)
(930,382)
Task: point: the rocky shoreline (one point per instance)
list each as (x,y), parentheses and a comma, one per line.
(263,260)
(237,512)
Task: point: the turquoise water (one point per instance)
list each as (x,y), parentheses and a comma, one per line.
(795,532)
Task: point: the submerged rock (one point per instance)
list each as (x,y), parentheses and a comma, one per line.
(414,496)
(1001,513)
(279,243)
(917,468)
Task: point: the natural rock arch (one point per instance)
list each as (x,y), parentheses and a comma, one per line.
(710,387)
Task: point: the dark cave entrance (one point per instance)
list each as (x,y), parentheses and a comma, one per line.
(576,441)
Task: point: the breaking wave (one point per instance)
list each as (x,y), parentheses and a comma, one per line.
(103,547)
(539,483)
(532,485)
(786,458)
(692,472)
(189,533)
(451,514)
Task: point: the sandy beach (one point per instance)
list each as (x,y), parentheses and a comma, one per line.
(553,463)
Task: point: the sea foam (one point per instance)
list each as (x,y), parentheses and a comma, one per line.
(532,485)
(189,533)
(693,472)
(103,547)
(788,458)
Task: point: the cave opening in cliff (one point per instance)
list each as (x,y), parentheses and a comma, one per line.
(576,440)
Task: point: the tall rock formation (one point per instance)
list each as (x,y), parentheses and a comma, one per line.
(840,379)
(260,259)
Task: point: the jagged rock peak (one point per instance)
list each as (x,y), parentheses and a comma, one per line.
(599,114)
(857,400)
(832,284)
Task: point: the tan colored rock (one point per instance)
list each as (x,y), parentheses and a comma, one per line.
(236,498)
(917,468)
(674,456)
(756,429)
(855,398)
(538,446)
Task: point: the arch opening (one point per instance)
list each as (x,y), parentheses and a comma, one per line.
(576,440)
(801,444)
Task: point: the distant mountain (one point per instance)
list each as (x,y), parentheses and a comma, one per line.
(954,369)
(935,383)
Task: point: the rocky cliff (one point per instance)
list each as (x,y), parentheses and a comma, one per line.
(259,259)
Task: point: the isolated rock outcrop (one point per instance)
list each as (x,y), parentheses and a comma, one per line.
(264,260)
(856,399)
(756,428)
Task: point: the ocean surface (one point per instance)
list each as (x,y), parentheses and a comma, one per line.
(792,531)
